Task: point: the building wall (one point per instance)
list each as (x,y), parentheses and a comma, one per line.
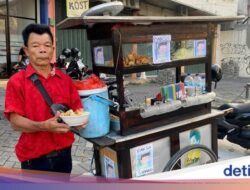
(51,22)
(235,54)
(234,48)
(234,36)
(147,9)
(20,14)
(70,38)
(75,38)
(232,42)
(214,7)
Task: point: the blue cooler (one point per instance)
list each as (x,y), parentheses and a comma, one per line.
(97,103)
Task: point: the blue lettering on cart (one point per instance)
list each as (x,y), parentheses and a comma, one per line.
(237,171)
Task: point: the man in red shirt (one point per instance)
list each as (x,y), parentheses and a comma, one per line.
(44,143)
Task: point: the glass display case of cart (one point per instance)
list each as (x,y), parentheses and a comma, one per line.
(162,98)
(160,50)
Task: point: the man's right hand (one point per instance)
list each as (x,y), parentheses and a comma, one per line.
(52,125)
(24,124)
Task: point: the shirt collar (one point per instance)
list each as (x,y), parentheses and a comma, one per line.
(30,70)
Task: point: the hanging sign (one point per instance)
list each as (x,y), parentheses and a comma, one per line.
(75,8)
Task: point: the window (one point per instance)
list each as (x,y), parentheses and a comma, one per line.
(3,9)
(16,41)
(22,8)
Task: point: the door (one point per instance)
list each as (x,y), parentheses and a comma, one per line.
(3,48)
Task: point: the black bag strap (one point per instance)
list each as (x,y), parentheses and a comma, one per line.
(47,98)
(41,89)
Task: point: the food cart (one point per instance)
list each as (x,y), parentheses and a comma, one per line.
(154,131)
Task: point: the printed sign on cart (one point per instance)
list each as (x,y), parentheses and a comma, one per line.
(160,155)
(108,162)
(109,167)
(144,160)
(75,8)
(200,135)
(161,48)
(200,48)
(99,55)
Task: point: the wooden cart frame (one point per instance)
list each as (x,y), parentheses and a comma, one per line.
(135,130)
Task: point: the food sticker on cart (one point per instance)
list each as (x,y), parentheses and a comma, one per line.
(144,160)
(161,48)
(193,157)
(99,55)
(109,167)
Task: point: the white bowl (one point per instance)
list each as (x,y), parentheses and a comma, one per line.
(75,120)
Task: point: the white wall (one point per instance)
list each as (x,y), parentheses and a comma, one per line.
(147,9)
(230,49)
(234,36)
(216,7)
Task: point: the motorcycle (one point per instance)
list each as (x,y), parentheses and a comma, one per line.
(235,125)
(20,65)
(76,69)
(61,60)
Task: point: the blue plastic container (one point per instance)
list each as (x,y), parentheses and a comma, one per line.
(115,125)
(96,102)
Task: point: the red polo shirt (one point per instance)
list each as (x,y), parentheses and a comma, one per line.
(23,98)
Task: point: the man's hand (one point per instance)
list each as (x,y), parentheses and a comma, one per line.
(52,125)
(85,122)
(24,124)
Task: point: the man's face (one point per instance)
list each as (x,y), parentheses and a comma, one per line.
(110,172)
(200,47)
(99,55)
(144,159)
(39,49)
(163,49)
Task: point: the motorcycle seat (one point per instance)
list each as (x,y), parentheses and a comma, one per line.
(237,108)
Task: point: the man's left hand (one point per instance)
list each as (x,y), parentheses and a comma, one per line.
(85,122)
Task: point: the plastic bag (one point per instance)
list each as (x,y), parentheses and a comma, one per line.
(91,82)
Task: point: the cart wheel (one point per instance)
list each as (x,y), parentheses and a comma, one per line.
(191,155)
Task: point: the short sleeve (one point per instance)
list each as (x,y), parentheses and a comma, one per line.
(14,99)
(75,98)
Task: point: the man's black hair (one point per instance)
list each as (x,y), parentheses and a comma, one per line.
(109,166)
(145,155)
(35,28)
(98,50)
(200,42)
(165,43)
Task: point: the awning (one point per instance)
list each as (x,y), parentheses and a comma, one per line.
(84,22)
